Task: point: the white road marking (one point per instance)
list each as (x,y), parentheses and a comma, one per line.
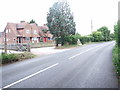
(85,51)
(30,76)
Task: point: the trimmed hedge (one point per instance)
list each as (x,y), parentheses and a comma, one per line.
(9,58)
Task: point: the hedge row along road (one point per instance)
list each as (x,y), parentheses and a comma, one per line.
(89,66)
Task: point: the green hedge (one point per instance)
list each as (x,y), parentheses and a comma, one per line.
(116,59)
(71,40)
(8,58)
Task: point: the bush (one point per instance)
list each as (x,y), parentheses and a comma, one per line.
(116,59)
(85,39)
(26,55)
(8,58)
(71,40)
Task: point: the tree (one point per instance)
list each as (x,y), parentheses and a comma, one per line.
(112,36)
(60,21)
(97,36)
(105,33)
(33,21)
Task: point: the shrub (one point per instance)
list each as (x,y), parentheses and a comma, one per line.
(26,55)
(8,58)
(71,40)
(84,39)
(116,59)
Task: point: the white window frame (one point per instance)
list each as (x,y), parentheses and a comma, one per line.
(27,31)
(35,31)
(7,31)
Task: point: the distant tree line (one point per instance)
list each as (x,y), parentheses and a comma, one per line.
(102,34)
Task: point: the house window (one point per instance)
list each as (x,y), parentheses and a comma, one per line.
(34,39)
(7,39)
(35,32)
(27,38)
(27,31)
(7,30)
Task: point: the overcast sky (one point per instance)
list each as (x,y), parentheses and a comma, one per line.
(102,12)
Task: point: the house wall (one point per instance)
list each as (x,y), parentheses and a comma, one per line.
(29,34)
(10,35)
(27,31)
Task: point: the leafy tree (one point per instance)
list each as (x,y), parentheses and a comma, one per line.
(60,21)
(97,36)
(105,33)
(112,36)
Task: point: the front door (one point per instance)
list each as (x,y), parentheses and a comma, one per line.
(19,39)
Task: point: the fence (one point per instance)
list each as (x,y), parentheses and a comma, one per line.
(26,47)
(42,44)
(16,47)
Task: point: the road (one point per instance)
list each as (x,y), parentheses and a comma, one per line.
(88,66)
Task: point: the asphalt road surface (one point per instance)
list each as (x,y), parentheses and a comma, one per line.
(88,66)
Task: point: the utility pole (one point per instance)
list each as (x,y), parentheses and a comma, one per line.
(5,43)
(91,26)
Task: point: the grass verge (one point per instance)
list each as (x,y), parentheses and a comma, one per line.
(66,46)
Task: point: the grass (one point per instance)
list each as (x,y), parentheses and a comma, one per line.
(66,46)
(96,42)
(72,46)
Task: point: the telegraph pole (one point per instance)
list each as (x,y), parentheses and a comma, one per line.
(91,26)
(5,43)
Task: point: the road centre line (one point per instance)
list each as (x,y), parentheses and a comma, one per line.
(29,76)
(85,51)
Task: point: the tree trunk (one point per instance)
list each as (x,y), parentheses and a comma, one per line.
(62,43)
(57,42)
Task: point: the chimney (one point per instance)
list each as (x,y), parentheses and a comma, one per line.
(22,21)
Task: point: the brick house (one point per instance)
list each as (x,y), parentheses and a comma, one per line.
(26,33)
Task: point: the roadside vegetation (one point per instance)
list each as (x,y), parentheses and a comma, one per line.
(9,58)
(116,50)
(60,21)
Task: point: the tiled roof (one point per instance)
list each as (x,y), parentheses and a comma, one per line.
(13,27)
(21,25)
(41,32)
(17,27)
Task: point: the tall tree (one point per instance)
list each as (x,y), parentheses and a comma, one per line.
(60,21)
(105,32)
